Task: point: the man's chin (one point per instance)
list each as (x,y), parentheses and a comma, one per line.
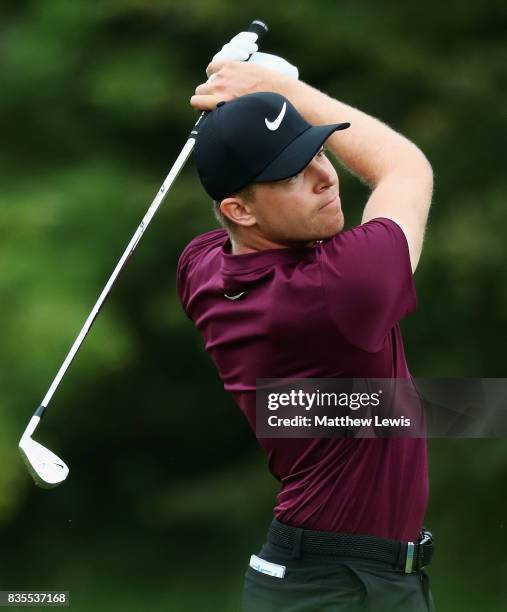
(318,235)
(331,230)
(324,236)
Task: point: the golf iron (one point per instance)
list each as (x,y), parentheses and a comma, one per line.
(46,468)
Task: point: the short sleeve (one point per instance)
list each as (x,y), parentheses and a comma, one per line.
(367,281)
(193,258)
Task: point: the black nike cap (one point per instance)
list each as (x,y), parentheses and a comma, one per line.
(255,138)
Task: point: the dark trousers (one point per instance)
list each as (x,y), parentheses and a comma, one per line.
(316,583)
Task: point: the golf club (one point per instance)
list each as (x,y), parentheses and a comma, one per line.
(46,468)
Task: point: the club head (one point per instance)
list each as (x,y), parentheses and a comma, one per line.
(46,468)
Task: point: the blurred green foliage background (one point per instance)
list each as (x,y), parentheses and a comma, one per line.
(169,493)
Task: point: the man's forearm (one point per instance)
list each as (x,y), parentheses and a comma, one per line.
(369,148)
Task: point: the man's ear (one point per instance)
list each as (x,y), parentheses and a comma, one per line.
(238,211)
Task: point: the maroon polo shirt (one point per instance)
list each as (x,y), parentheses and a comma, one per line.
(325,311)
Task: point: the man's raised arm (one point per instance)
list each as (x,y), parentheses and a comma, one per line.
(397,171)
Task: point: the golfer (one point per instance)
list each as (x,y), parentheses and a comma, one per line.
(283,291)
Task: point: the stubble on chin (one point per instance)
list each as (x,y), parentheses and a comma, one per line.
(333,229)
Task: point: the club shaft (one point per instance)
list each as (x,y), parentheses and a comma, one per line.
(260,29)
(159,198)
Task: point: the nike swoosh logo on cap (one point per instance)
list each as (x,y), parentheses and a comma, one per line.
(274,125)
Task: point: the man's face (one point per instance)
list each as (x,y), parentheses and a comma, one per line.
(301,209)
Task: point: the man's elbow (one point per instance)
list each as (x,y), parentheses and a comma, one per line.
(417,169)
(426,177)
(409,164)
(426,170)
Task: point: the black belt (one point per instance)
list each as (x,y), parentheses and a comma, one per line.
(408,557)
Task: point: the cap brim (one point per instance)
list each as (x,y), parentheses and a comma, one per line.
(299,153)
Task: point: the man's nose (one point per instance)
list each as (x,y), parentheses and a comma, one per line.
(325,174)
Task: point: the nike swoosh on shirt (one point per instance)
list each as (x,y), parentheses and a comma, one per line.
(274,125)
(234,297)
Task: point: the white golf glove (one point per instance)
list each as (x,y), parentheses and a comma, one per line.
(243,45)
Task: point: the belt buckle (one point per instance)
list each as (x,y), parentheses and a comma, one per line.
(426,536)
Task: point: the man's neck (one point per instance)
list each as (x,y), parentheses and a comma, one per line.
(239,247)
